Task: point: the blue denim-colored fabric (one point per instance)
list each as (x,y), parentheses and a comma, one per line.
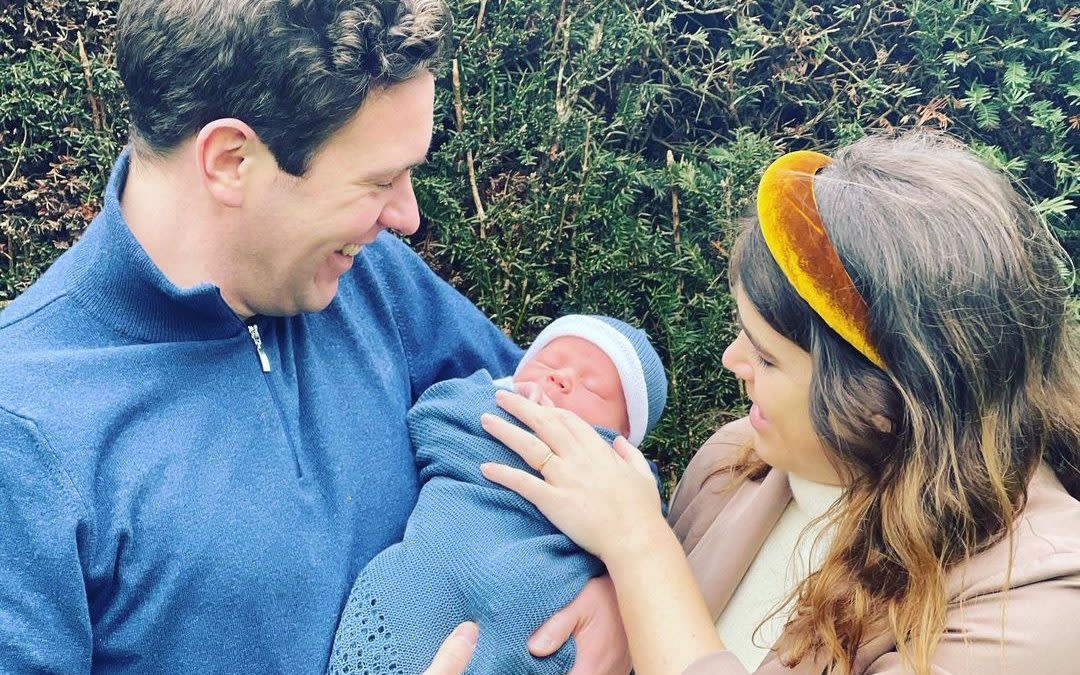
(472,550)
(166,506)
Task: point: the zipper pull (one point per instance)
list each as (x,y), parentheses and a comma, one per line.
(253,330)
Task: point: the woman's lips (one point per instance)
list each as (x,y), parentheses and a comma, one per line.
(757,419)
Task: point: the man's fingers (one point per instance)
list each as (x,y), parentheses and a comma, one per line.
(456,651)
(549,637)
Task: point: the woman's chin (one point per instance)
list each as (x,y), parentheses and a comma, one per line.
(763,449)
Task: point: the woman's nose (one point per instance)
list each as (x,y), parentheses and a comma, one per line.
(736,360)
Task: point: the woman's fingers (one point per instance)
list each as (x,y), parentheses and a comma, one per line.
(549,424)
(563,431)
(632,456)
(531,449)
(527,485)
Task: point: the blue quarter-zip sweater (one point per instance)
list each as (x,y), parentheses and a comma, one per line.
(168,506)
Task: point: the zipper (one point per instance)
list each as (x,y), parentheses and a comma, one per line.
(253,331)
(264,362)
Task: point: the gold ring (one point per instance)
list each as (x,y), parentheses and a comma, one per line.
(551,453)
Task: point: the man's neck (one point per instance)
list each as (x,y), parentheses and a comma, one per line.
(160,202)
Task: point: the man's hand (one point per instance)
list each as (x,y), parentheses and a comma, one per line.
(456,651)
(593,619)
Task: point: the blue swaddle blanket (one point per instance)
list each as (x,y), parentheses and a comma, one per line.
(471,550)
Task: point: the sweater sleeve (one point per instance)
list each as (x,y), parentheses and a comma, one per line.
(443,334)
(44,613)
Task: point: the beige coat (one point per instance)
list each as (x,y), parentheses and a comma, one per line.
(722,531)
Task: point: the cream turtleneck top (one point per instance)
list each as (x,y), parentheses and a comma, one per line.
(783,560)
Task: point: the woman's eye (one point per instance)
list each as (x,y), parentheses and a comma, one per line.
(761,361)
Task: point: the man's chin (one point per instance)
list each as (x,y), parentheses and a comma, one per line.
(320,299)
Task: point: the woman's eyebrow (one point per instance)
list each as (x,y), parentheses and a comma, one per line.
(764,352)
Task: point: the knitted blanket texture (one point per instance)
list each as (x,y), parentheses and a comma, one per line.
(471,550)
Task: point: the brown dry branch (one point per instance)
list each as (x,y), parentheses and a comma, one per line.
(480,17)
(459,112)
(18,158)
(95,105)
(674,205)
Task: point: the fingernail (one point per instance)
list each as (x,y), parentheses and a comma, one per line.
(540,644)
(485,419)
(469,632)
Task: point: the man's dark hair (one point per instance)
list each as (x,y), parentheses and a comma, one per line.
(294,70)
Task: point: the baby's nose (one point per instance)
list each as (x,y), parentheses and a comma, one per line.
(562,379)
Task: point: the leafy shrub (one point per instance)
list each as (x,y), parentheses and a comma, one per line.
(594,155)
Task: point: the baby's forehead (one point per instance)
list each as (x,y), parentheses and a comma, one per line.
(572,346)
(569,344)
(575,349)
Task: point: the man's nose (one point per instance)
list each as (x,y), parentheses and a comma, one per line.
(401,213)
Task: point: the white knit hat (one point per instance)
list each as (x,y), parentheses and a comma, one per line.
(641,372)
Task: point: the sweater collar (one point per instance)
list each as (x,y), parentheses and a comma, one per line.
(812,498)
(116,280)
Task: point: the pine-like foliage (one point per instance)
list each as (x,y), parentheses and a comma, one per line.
(595,155)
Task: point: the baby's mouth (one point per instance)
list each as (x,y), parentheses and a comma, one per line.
(350,249)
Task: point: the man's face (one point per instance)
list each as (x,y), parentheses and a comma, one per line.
(578,376)
(301,234)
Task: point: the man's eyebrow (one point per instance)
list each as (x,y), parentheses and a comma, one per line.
(764,352)
(396,170)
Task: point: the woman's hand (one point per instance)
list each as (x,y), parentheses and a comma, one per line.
(456,651)
(603,498)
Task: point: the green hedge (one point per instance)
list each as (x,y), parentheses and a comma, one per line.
(603,148)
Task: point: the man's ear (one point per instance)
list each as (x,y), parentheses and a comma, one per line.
(229,153)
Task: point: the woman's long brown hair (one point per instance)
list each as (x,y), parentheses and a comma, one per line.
(969,299)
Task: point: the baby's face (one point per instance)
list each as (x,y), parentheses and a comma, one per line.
(578,376)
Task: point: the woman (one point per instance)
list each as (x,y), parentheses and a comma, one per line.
(911,355)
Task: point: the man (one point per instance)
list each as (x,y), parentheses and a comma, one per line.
(202,403)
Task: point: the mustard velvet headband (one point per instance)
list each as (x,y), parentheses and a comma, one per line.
(797,239)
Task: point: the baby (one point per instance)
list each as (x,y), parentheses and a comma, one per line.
(475,551)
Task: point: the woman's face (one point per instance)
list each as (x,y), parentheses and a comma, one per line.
(776,372)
